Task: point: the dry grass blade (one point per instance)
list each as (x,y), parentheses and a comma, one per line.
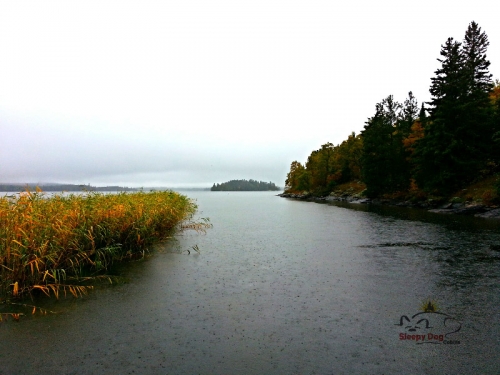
(200,227)
(44,242)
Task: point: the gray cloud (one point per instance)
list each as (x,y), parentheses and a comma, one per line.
(180,93)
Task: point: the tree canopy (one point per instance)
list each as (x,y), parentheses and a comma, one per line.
(439,146)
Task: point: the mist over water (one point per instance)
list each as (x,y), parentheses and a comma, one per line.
(282,287)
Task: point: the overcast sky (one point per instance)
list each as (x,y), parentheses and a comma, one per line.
(188,93)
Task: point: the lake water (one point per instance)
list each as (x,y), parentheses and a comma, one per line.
(284,287)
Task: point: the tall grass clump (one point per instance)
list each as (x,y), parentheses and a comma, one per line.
(52,245)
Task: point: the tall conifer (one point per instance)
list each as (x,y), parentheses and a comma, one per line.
(458,133)
(436,165)
(381,149)
(478,110)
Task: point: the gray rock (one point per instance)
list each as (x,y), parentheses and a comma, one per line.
(491,214)
(446,206)
(403,204)
(443,211)
(361,201)
(472,209)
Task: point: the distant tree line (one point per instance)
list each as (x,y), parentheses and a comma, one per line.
(61,187)
(438,147)
(245,185)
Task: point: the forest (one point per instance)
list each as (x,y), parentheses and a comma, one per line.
(433,149)
(245,185)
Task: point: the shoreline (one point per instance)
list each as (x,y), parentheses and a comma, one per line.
(447,208)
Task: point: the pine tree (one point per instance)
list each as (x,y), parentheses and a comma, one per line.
(438,150)
(495,98)
(443,157)
(408,115)
(478,110)
(459,132)
(422,115)
(448,86)
(373,136)
(476,66)
(381,149)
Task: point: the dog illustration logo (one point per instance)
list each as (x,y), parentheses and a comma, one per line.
(429,326)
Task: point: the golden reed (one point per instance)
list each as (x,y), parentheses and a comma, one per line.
(55,244)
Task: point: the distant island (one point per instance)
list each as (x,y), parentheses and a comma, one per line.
(13,187)
(245,185)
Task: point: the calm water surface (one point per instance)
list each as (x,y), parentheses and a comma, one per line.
(283,287)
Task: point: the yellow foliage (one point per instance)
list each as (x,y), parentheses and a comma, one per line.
(44,241)
(417,132)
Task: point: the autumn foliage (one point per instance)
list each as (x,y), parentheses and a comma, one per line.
(444,145)
(54,244)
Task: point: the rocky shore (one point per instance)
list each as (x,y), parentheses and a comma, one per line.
(451,207)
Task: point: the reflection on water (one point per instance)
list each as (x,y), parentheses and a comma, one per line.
(282,286)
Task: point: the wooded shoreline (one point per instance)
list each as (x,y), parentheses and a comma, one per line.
(421,153)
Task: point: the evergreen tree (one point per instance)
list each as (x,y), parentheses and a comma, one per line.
(443,159)
(372,158)
(495,99)
(380,149)
(459,132)
(409,114)
(478,110)
(422,115)
(447,87)
(476,66)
